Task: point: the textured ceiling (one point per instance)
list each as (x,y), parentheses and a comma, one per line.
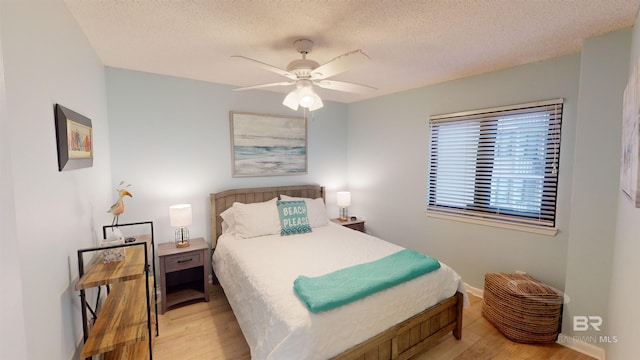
(410,43)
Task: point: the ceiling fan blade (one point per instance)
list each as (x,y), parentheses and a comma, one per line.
(284,83)
(344,86)
(340,64)
(266,66)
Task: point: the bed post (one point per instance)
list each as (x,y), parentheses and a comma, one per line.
(457,331)
(213,220)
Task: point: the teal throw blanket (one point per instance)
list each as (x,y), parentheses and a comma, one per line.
(346,285)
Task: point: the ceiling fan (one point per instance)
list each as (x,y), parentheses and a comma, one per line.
(304,73)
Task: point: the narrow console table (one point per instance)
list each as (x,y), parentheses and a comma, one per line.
(121,327)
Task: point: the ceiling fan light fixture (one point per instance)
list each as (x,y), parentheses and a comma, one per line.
(291,100)
(317,104)
(306,96)
(307,101)
(303,96)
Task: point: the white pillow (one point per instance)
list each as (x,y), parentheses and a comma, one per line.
(316,210)
(256,219)
(225,227)
(228,221)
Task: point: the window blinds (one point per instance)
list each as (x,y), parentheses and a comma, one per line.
(499,163)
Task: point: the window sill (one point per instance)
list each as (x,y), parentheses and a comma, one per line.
(496,223)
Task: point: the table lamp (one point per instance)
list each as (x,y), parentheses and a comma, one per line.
(344,200)
(180,217)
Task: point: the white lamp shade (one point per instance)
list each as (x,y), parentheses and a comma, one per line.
(306,97)
(344,198)
(180,215)
(317,103)
(291,101)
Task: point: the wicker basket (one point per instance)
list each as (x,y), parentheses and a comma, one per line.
(522,308)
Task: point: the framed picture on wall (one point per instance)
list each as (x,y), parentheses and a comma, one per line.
(629,169)
(267,145)
(74,136)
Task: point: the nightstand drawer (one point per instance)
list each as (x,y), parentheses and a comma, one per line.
(183,261)
(356,226)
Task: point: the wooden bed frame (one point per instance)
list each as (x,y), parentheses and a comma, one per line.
(401,341)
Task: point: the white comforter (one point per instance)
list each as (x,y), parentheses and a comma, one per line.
(257,276)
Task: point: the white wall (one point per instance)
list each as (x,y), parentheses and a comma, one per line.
(12,335)
(623,315)
(170,139)
(48,60)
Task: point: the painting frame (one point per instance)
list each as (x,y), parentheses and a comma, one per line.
(74,135)
(267,145)
(629,161)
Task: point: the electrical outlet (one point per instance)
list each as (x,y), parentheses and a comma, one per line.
(520,272)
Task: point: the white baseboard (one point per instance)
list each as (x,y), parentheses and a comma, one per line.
(474,291)
(577,344)
(78,350)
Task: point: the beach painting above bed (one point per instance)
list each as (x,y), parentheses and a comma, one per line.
(266,145)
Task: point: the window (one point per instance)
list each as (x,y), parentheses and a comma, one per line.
(497,164)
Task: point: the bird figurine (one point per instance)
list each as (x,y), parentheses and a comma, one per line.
(118,208)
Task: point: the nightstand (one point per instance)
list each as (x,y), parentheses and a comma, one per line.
(184,273)
(357,224)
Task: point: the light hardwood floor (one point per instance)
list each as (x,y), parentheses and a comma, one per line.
(210,331)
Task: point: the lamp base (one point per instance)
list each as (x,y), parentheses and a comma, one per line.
(344,214)
(182,237)
(182,244)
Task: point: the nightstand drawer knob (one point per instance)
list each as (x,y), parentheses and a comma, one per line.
(185,261)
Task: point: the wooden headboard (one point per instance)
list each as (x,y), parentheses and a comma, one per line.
(223,200)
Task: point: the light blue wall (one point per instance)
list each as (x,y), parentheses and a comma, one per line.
(388,140)
(170,139)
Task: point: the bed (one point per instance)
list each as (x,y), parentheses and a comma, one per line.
(257,274)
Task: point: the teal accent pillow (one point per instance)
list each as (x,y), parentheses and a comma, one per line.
(293,217)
